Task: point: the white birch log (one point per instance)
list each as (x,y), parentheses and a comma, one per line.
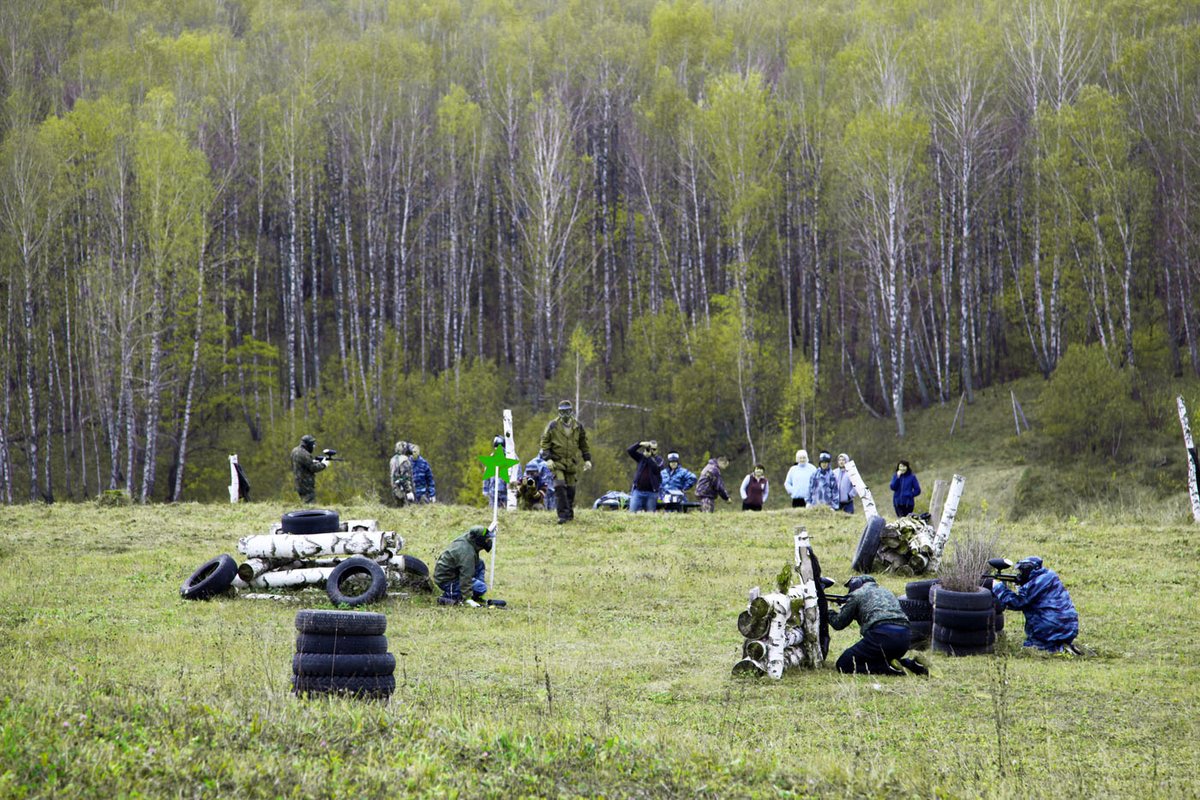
(302,546)
(292,578)
(514,474)
(868,501)
(279,598)
(1193,491)
(948,514)
(233,481)
(238,583)
(810,645)
(781,606)
(937,500)
(251,568)
(360,525)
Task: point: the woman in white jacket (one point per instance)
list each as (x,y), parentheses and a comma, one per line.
(798,479)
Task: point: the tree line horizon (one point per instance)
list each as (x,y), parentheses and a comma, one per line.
(227,223)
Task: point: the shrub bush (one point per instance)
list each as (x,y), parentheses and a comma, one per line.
(1087,405)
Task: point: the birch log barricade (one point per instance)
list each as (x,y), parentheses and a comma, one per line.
(292,578)
(860,486)
(948,513)
(937,500)
(293,546)
(906,546)
(811,615)
(1193,492)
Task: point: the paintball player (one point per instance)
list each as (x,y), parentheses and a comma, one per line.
(676,477)
(424,489)
(401,471)
(565,448)
(499,485)
(305,468)
(460,565)
(711,484)
(647,478)
(545,478)
(884,628)
(530,496)
(1051,621)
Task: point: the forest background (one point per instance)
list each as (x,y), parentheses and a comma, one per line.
(740,227)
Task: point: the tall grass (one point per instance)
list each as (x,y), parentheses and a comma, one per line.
(970,550)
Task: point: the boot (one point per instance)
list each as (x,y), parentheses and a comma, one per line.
(447,600)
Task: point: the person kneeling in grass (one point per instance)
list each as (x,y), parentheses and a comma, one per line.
(460,564)
(1051,621)
(885,631)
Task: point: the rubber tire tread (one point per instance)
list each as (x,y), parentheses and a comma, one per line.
(963,620)
(352,566)
(961,650)
(415,566)
(999,624)
(211,578)
(311,520)
(922,632)
(372,686)
(919,590)
(916,610)
(868,545)
(341,623)
(941,597)
(324,644)
(957,636)
(365,664)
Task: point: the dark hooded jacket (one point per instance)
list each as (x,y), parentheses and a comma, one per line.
(711,484)
(871,605)
(460,560)
(1051,621)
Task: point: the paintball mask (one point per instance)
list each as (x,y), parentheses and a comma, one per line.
(1026,567)
(498,441)
(480,538)
(308,442)
(858,581)
(564,410)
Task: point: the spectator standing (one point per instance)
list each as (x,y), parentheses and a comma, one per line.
(424,489)
(798,482)
(565,448)
(676,478)
(755,489)
(305,468)
(494,484)
(845,489)
(710,485)
(647,478)
(905,488)
(401,474)
(822,488)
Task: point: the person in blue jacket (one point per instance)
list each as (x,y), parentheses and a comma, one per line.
(424,489)
(545,479)
(1051,621)
(676,477)
(905,488)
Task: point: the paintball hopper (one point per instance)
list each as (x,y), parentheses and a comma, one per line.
(827,583)
(329,454)
(998,566)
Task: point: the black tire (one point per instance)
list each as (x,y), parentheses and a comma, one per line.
(919,590)
(998,625)
(341,645)
(372,686)
(964,620)
(957,636)
(342,664)
(311,520)
(916,610)
(961,650)
(942,597)
(921,634)
(868,545)
(356,566)
(415,566)
(212,578)
(341,623)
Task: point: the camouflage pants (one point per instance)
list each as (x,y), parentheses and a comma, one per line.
(708,504)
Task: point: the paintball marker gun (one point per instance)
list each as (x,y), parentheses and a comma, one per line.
(999,565)
(833,598)
(330,455)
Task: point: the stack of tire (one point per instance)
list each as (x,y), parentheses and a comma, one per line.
(919,611)
(964,623)
(342,653)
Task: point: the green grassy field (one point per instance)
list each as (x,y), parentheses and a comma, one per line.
(607,676)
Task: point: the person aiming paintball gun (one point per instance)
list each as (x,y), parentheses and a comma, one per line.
(884,626)
(1051,621)
(305,468)
(459,565)
(400,474)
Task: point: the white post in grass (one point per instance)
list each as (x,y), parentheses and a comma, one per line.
(233,479)
(948,513)
(1193,492)
(868,501)
(510,450)
(811,615)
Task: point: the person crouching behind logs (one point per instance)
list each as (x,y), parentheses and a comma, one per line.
(459,565)
(884,628)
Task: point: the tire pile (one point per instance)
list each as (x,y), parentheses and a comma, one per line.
(354,561)
(342,653)
(960,631)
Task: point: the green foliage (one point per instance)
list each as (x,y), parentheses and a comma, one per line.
(1086,407)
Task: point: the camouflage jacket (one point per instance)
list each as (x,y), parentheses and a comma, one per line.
(567,446)
(400,468)
(304,469)
(871,605)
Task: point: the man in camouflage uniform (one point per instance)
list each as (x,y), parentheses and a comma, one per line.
(305,468)
(401,471)
(565,449)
